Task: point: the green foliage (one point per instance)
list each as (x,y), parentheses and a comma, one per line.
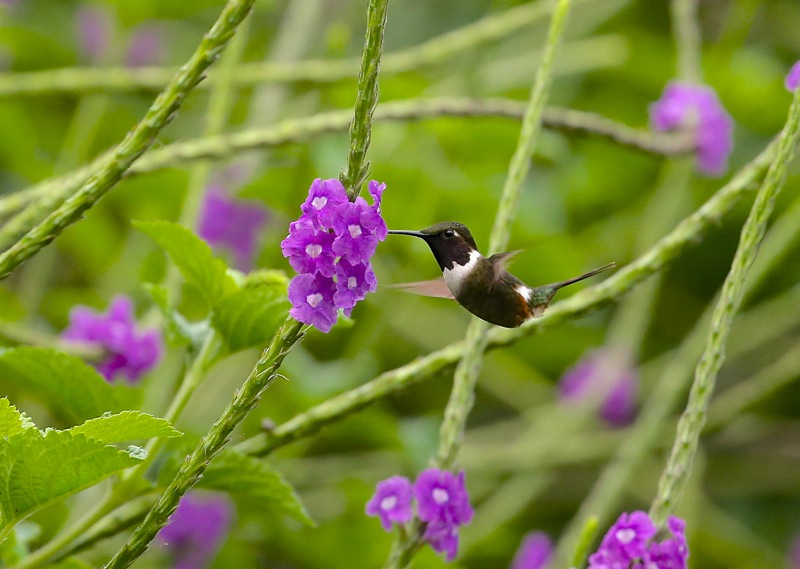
(250,316)
(126,426)
(254,479)
(65,383)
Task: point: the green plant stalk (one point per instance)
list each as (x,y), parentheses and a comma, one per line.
(668,247)
(245,399)
(52,192)
(86,79)
(355,172)
(690,426)
(469,366)
(135,143)
(688,43)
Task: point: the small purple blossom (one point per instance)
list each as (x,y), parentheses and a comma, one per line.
(94,27)
(793,78)
(335,239)
(144,46)
(442,496)
(443,538)
(391,502)
(196,530)
(127,352)
(231,224)
(311,297)
(629,544)
(535,552)
(609,375)
(683,105)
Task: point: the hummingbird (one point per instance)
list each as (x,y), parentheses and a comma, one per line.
(481,284)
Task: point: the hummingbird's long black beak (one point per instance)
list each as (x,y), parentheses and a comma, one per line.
(405,232)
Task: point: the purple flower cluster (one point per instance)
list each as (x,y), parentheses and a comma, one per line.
(127,352)
(683,105)
(793,78)
(629,544)
(442,503)
(607,374)
(535,552)
(330,245)
(231,224)
(196,530)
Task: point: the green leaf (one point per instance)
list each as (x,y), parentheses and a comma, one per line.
(126,426)
(251,315)
(69,386)
(38,468)
(12,422)
(238,473)
(192,256)
(179,330)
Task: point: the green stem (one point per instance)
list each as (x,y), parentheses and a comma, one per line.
(135,143)
(688,43)
(245,399)
(691,423)
(355,173)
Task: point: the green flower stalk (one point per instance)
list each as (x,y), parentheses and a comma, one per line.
(694,417)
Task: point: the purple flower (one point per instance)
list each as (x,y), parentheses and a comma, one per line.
(308,249)
(333,238)
(392,501)
(312,300)
(628,544)
(443,538)
(145,46)
(534,552)
(442,496)
(353,282)
(794,553)
(94,27)
(793,78)
(607,374)
(127,352)
(683,105)
(324,197)
(196,530)
(231,224)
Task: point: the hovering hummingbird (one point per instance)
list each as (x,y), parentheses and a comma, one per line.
(481,284)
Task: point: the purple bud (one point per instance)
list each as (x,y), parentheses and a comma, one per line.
(94,27)
(535,552)
(128,353)
(145,46)
(391,502)
(793,78)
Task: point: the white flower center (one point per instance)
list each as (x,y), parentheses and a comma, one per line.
(440,496)
(319,202)
(626,535)
(352,282)
(355,230)
(388,503)
(314,299)
(313,250)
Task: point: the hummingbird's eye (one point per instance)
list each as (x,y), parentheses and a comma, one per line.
(449,234)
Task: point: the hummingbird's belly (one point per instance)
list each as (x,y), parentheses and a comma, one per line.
(502,306)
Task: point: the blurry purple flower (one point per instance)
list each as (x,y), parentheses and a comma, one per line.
(628,544)
(608,374)
(196,530)
(145,46)
(443,538)
(333,238)
(311,297)
(95,28)
(10,3)
(127,352)
(231,224)
(392,501)
(683,105)
(308,249)
(794,553)
(793,78)
(534,552)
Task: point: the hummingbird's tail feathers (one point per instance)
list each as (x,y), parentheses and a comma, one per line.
(436,288)
(539,298)
(592,273)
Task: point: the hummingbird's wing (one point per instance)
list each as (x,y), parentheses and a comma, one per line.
(436,288)
(500,262)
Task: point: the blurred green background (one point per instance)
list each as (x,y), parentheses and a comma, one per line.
(583,206)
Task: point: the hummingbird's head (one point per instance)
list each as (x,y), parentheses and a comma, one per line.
(450,241)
